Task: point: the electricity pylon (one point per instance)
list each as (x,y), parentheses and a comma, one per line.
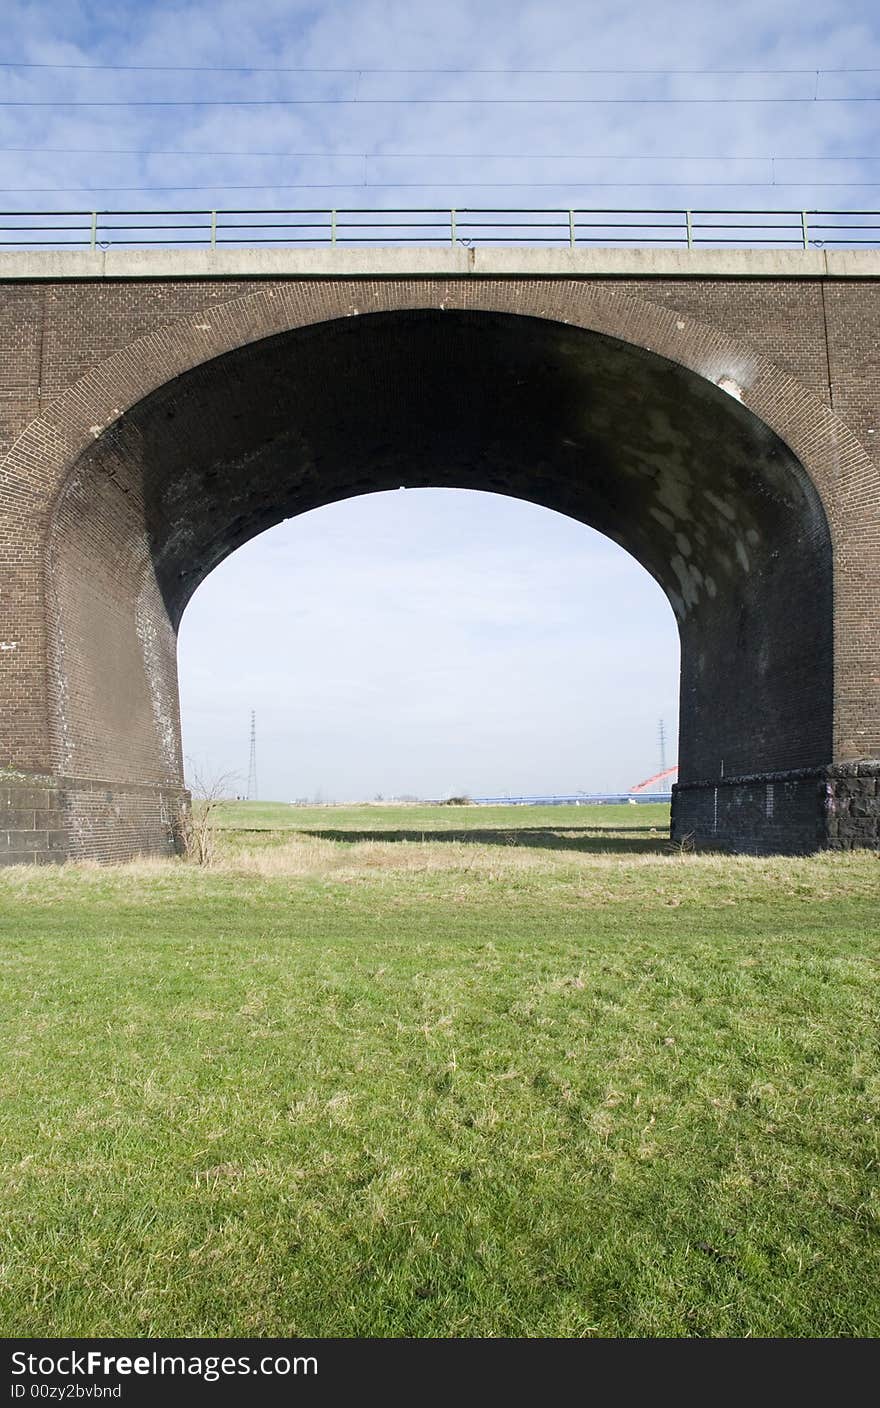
(252,765)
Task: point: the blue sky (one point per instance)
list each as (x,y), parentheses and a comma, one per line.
(685,153)
(434,641)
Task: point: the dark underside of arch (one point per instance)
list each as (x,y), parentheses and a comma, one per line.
(677,471)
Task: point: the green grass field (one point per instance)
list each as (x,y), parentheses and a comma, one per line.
(382,817)
(532,1075)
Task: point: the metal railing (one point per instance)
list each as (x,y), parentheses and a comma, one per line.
(572,799)
(575,228)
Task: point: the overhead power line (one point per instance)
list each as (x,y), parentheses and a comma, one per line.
(451,185)
(576,72)
(398,102)
(433,156)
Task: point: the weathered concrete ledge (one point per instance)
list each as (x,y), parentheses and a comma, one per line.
(443,261)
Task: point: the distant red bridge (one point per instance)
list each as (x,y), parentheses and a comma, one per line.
(649,781)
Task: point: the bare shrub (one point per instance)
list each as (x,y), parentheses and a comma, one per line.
(198,833)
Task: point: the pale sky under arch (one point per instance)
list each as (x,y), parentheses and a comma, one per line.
(429,641)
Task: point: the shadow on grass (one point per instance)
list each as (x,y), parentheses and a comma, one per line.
(634,840)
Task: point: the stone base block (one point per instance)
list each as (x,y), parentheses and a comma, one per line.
(783,813)
(45,819)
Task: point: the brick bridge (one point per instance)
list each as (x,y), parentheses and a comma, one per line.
(717,414)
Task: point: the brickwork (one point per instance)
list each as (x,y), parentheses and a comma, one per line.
(150,426)
(109,822)
(49,819)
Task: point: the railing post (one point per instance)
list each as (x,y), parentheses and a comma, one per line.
(804,231)
(690,229)
(452,225)
(213,229)
(94,243)
(571,233)
(332,226)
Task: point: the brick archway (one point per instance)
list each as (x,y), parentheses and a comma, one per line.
(46,464)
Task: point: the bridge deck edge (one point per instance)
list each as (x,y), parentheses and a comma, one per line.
(323,263)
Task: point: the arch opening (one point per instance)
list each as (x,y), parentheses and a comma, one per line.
(427,644)
(671,467)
